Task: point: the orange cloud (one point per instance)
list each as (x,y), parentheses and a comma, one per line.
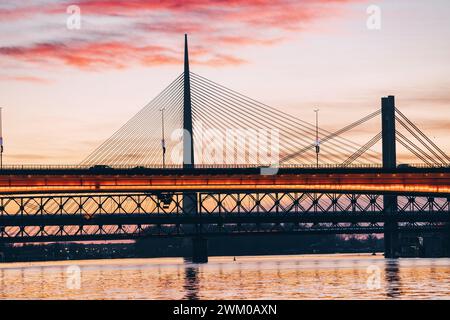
(221,60)
(32,79)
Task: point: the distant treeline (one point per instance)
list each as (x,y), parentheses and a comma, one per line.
(181,247)
(263,245)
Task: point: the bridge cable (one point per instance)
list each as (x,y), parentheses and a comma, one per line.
(339,132)
(416,147)
(121,139)
(406,145)
(251,102)
(254,120)
(257,114)
(423,135)
(418,139)
(363,149)
(127,129)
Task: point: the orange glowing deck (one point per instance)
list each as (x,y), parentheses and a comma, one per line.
(432,183)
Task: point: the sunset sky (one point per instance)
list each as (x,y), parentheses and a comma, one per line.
(64,91)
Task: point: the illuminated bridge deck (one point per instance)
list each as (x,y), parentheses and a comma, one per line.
(375,180)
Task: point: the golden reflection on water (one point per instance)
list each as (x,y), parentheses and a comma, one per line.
(255,277)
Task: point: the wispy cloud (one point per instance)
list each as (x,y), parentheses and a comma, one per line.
(25,78)
(88,55)
(138,32)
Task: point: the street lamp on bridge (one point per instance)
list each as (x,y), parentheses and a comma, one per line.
(317,137)
(163,141)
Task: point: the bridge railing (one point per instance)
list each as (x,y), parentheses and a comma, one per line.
(207,166)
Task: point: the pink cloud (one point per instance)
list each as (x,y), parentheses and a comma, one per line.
(116,55)
(220,24)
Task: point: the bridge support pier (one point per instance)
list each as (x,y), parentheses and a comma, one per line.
(2,252)
(199,243)
(389,163)
(446,240)
(199,249)
(391,237)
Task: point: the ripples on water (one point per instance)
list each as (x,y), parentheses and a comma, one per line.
(258,277)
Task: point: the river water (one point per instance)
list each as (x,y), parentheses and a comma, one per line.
(352,276)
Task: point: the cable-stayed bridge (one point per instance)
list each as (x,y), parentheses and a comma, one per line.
(202,160)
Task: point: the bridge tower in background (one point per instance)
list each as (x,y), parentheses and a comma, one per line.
(190,203)
(389,163)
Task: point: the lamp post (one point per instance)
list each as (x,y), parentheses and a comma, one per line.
(317,138)
(163,141)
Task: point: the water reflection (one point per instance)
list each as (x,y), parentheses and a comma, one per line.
(191,283)
(268,277)
(392,277)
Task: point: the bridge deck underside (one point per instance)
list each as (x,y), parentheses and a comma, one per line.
(115,216)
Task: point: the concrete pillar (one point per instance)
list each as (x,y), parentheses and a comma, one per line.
(388,132)
(389,162)
(2,252)
(446,240)
(199,249)
(391,237)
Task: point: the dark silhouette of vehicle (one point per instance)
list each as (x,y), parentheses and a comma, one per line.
(100,168)
(139,168)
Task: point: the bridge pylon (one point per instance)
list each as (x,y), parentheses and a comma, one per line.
(190,201)
(188,134)
(390,202)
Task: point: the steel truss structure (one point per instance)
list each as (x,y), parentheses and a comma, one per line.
(116,216)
